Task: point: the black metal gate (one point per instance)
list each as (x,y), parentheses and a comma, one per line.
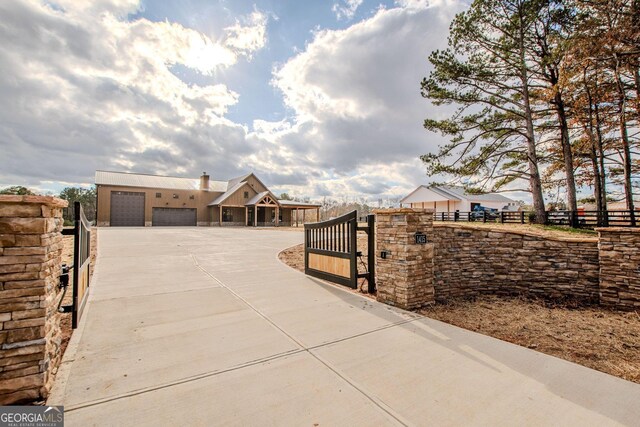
(331,250)
(81,264)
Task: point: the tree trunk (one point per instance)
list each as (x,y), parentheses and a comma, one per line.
(535,183)
(597,151)
(572,203)
(626,149)
(600,145)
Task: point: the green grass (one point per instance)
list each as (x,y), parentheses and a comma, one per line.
(568,229)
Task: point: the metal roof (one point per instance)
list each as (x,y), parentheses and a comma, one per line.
(293,203)
(438,195)
(234,181)
(221,198)
(449,192)
(124,179)
(255,199)
(488,197)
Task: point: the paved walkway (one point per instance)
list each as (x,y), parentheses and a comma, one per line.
(204,326)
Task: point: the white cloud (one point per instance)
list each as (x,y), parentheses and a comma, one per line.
(84,88)
(356,98)
(346,9)
(250,37)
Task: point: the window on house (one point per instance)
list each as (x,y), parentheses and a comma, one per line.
(191,197)
(227,215)
(158,195)
(246,194)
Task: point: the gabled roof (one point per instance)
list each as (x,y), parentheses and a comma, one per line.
(236,180)
(221,198)
(487,197)
(125,179)
(256,199)
(439,193)
(449,192)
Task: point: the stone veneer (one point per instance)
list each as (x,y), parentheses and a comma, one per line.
(30,257)
(475,260)
(619,267)
(405,277)
(465,260)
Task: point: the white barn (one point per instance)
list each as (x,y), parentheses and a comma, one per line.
(450,199)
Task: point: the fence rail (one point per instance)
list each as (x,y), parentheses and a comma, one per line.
(81,263)
(575,219)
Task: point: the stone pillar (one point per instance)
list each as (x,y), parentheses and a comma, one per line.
(404,277)
(30,257)
(619,253)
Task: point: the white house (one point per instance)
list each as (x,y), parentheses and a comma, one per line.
(450,199)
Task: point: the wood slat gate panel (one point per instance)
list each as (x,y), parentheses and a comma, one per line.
(331,250)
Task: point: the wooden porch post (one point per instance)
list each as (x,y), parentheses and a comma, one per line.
(296,217)
(246,215)
(277,216)
(318,214)
(220,216)
(448,210)
(255,216)
(304,214)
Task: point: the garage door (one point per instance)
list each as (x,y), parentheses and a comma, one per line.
(127,209)
(173,216)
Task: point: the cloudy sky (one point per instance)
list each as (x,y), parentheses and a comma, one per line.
(318,98)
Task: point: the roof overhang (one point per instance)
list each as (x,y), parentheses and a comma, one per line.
(298,205)
(429,195)
(264,199)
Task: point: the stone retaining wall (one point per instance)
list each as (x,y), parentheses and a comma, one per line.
(30,259)
(620,268)
(475,260)
(465,260)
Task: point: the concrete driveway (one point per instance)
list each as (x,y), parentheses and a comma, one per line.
(204,326)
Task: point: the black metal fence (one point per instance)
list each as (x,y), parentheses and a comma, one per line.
(81,263)
(575,219)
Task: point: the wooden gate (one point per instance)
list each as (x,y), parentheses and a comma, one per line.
(81,264)
(331,251)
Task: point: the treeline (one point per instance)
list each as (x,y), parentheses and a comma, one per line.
(546,93)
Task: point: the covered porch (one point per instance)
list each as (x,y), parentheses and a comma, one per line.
(300,213)
(265,210)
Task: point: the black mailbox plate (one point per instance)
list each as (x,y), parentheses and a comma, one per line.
(421,239)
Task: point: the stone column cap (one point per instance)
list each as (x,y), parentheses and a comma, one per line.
(41,200)
(629,230)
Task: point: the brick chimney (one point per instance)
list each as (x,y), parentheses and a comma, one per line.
(204,182)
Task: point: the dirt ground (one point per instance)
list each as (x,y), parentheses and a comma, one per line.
(600,339)
(552,231)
